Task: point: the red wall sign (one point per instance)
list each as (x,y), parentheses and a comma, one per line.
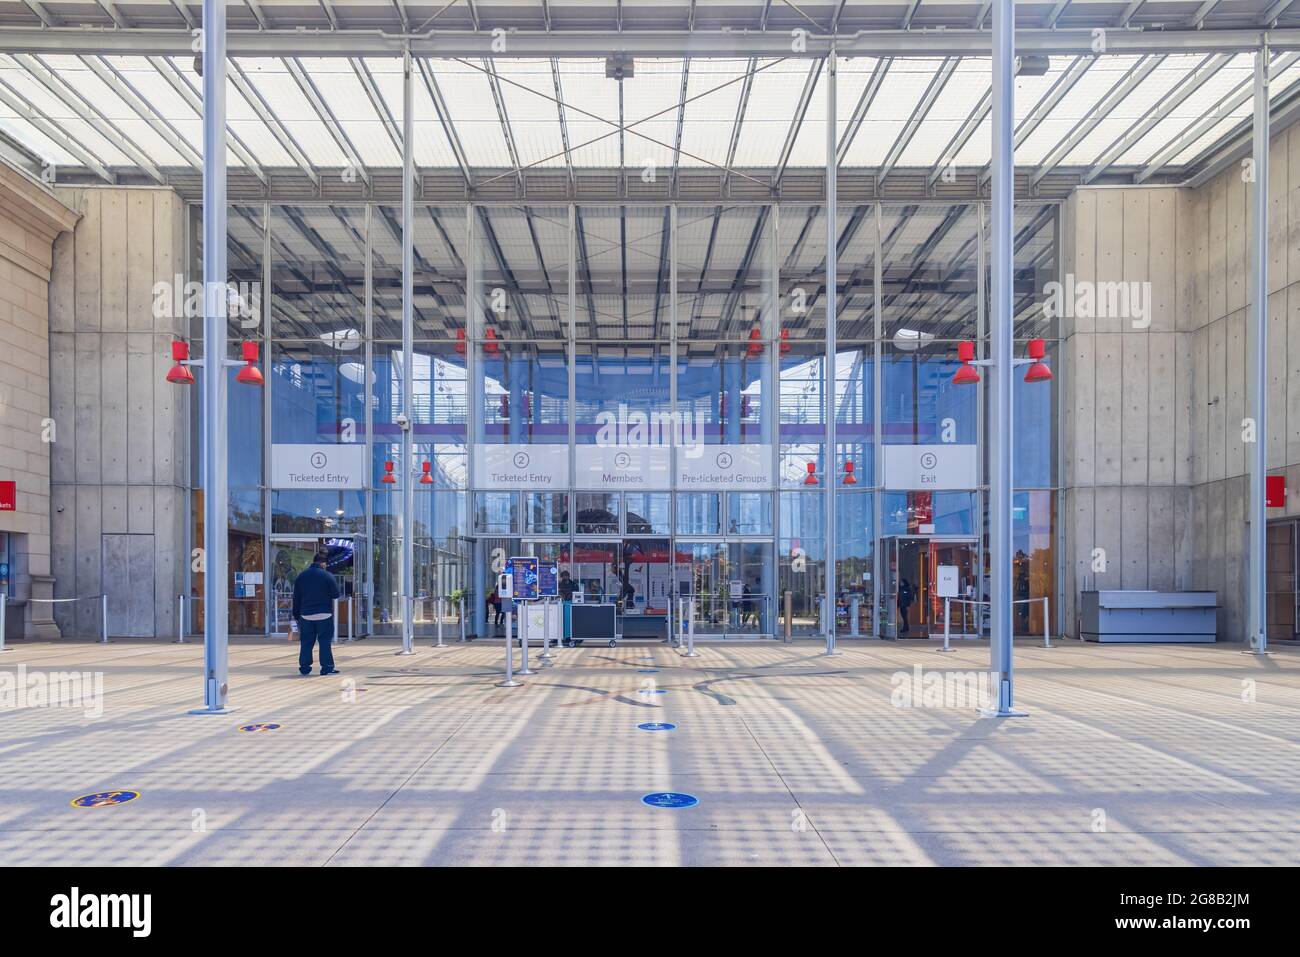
(1275,491)
(8,496)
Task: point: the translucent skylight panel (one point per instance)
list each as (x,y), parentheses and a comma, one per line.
(150,142)
(472,112)
(650,104)
(316,142)
(590,99)
(772,107)
(715,86)
(432,148)
(962,94)
(62,116)
(277,88)
(24,132)
(265,148)
(35,93)
(1080,102)
(1132,109)
(1203,102)
(528,93)
(1233,119)
(343,95)
(147,83)
(899,94)
(1030,91)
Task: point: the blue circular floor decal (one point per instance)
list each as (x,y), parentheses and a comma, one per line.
(657,726)
(653,691)
(670,799)
(647,671)
(104,798)
(252,728)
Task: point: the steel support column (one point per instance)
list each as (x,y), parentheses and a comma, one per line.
(1000,320)
(408,365)
(1257,616)
(215,612)
(830,474)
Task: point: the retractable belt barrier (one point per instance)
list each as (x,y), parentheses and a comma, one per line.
(1047,619)
(103,613)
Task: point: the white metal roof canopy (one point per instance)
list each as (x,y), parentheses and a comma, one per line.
(323,106)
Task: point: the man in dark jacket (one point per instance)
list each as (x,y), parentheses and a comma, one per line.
(906,594)
(313,608)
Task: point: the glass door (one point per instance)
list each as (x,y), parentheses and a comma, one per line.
(750,567)
(965,617)
(910,606)
(496,551)
(701,575)
(290,556)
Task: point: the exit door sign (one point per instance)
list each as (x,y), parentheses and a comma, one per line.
(8,496)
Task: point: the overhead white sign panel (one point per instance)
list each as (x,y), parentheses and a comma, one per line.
(622,466)
(928,468)
(521,466)
(318,466)
(724,467)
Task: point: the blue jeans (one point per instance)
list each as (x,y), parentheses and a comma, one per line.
(310,632)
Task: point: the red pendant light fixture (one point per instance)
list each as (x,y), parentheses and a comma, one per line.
(784,348)
(490,347)
(179,373)
(1038,370)
(250,374)
(849,477)
(966,374)
(426,478)
(755,343)
(460,342)
(389,478)
(811,477)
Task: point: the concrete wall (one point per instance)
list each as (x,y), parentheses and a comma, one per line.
(118,479)
(1154,453)
(30,218)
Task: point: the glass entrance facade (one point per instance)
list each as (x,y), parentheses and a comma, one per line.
(639,392)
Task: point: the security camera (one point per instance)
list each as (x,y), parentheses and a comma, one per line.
(403,422)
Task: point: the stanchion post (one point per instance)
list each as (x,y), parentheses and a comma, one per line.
(510,681)
(690,630)
(461,612)
(947,622)
(789,616)
(4,619)
(524,628)
(180,619)
(408,613)
(546,631)
(442,607)
(690,633)
(1047,623)
(103,618)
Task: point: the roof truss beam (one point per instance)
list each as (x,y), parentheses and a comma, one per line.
(541,44)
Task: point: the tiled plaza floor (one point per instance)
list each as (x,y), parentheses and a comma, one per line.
(1131,755)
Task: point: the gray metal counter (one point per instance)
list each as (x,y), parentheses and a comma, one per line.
(1148,616)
